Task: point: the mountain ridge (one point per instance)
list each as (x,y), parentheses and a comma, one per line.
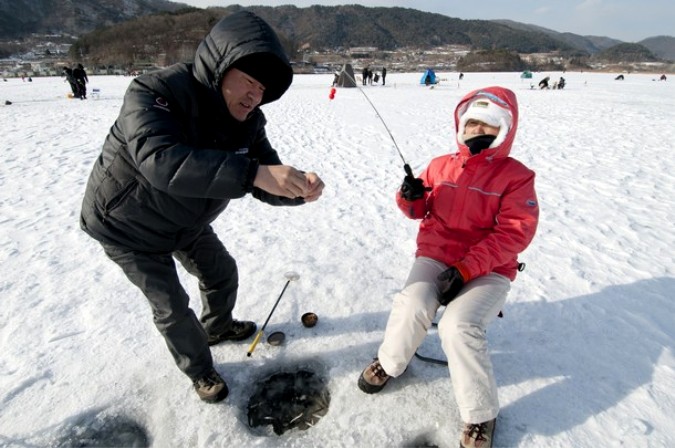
(316,27)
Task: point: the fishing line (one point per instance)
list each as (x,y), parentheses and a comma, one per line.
(382,120)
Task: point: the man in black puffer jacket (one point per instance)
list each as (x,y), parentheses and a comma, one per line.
(187,140)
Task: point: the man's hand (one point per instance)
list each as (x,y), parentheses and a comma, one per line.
(282,180)
(286,181)
(315,187)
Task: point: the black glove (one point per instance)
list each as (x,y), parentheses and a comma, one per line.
(452,284)
(412,188)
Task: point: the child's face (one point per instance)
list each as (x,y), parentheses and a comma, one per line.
(475,127)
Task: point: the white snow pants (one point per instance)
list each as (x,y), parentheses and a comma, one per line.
(461,329)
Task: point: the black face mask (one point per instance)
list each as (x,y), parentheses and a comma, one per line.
(478,143)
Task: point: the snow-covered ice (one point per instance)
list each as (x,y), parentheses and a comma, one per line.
(584,356)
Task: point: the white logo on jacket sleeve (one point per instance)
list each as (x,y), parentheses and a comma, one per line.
(161,103)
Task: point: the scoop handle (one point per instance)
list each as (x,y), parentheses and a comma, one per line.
(254,343)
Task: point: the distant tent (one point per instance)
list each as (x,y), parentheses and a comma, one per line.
(346,77)
(429,77)
(526,74)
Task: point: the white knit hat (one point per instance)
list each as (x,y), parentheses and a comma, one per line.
(486,111)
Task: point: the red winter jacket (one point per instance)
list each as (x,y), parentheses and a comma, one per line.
(482,210)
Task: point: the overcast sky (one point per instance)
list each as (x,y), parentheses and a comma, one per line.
(626,20)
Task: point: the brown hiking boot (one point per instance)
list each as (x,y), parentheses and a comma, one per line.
(238,331)
(477,435)
(211,387)
(373,378)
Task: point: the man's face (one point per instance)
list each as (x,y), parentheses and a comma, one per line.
(241,92)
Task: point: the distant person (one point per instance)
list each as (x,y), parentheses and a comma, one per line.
(81,81)
(376,78)
(478,210)
(663,77)
(384,75)
(461,76)
(364,75)
(68,73)
(427,79)
(543,84)
(188,140)
(561,83)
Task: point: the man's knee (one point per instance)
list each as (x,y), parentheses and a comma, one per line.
(169,317)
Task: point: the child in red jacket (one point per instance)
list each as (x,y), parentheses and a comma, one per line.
(479,211)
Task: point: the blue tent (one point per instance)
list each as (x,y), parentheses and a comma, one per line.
(429,77)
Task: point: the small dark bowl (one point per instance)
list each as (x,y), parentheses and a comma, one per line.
(276,338)
(309,320)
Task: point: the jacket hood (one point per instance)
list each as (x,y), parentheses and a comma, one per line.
(234,37)
(502,97)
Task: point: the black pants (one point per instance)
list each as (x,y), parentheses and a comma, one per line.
(155,274)
(81,89)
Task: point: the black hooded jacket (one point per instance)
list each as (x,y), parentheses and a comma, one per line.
(175,156)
